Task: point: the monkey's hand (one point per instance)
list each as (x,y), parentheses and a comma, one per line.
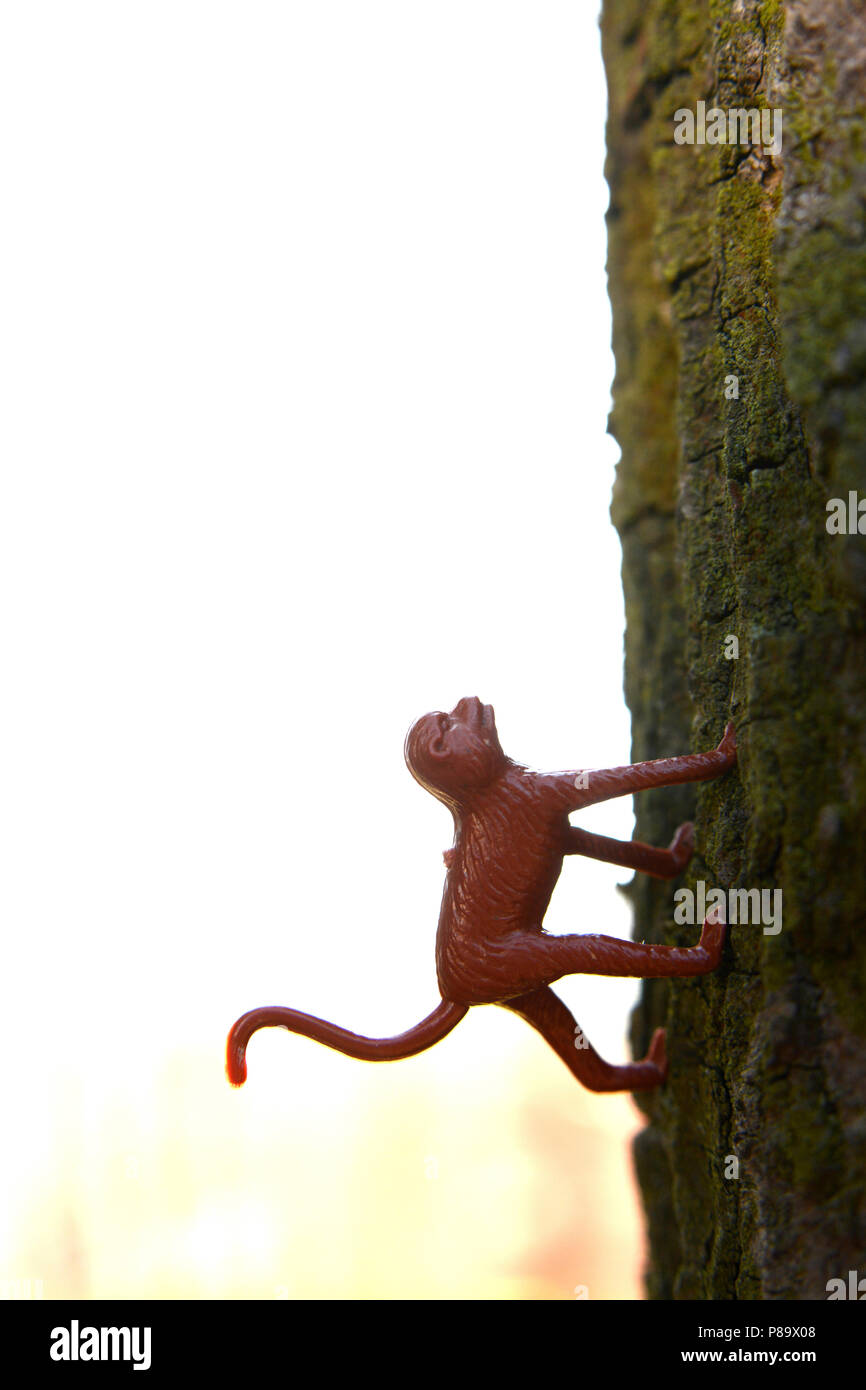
(728,744)
(682,846)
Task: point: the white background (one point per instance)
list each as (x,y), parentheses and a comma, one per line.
(305,372)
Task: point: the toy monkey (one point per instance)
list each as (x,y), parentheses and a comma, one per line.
(511,831)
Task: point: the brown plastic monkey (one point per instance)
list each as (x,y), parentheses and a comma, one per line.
(511,833)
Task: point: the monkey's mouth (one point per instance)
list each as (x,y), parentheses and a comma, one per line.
(473,712)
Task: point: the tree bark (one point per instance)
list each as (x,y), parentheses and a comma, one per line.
(733,261)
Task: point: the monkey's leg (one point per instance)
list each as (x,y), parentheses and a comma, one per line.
(634,854)
(539,960)
(547,1013)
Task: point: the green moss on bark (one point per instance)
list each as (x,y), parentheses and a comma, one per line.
(734,262)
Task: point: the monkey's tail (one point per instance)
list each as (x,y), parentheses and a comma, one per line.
(435,1026)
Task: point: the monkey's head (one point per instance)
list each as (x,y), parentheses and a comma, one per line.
(456,754)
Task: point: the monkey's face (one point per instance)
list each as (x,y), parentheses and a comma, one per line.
(452,754)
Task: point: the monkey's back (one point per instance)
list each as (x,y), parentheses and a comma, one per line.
(505,866)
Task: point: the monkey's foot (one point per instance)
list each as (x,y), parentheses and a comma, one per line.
(713,935)
(653,1070)
(682,846)
(658,1053)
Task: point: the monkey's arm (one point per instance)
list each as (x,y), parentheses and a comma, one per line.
(634,854)
(573,790)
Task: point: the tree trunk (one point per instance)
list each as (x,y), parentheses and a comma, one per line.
(734,261)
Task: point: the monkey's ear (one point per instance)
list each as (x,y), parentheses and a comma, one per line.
(448,856)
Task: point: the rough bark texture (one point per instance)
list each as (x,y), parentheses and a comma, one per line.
(733,260)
